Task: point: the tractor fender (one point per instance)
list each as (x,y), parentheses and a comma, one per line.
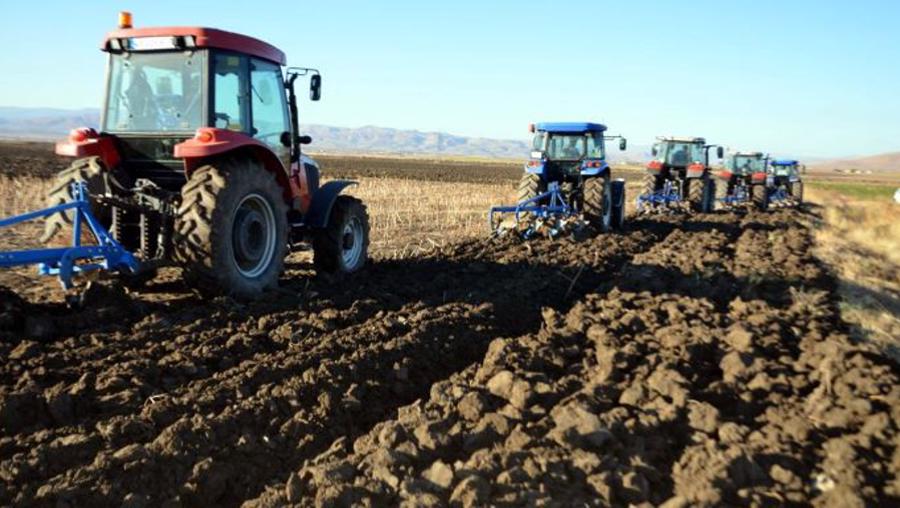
(602,170)
(211,142)
(86,142)
(323,201)
(535,170)
(696,171)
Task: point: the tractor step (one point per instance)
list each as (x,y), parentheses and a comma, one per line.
(64,262)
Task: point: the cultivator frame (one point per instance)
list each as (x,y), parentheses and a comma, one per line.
(108,254)
(556,206)
(666,197)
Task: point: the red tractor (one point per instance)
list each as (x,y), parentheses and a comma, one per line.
(679,174)
(198,162)
(744,180)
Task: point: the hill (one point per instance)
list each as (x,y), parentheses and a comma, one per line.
(50,124)
(886,162)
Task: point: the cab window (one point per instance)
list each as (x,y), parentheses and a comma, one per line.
(269,106)
(230,92)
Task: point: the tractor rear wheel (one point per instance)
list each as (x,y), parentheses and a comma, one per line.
(723,189)
(651,183)
(598,202)
(531,185)
(760,196)
(90,172)
(696,192)
(797,193)
(343,246)
(618,198)
(231,228)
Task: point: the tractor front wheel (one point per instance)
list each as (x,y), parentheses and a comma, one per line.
(598,202)
(343,246)
(231,229)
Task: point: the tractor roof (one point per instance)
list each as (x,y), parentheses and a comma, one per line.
(749,154)
(188,37)
(677,139)
(570,127)
(785,162)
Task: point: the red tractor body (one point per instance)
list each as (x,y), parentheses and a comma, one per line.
(189,103)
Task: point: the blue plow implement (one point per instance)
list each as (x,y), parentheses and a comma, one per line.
(64,262)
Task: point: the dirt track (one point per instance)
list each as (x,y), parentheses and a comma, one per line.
(700,363)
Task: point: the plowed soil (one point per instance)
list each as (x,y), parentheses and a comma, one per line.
(684,361)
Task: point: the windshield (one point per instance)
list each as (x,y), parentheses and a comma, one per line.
(155,92)
(679,154)
(784,169)
(748,164)
(570,147)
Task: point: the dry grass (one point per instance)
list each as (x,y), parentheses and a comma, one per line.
(860,239)
(21,194)
(411,216)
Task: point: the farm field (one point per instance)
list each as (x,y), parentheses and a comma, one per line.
(708,360)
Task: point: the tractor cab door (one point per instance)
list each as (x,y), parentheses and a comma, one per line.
(269,109)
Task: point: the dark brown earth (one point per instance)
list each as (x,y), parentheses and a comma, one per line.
(684,361)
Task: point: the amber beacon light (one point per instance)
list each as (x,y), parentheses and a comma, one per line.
(124,19)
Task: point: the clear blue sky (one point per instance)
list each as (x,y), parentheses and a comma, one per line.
(801,77)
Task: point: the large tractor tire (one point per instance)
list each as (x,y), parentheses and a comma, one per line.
(531,185)
(723,190)
(700,193)
(760,195)
(650,184)
(231,230)
(598,202)
(797,193)
(343,246)
(89,171)
(617,195)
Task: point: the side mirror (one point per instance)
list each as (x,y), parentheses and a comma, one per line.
(720,151)
(654,151)
(623,144)
(315,87)
(304,140)
(285,139)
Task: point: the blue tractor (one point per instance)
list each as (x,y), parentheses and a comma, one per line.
(784,182)
(568,167)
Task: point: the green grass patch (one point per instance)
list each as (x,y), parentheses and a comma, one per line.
(860,191)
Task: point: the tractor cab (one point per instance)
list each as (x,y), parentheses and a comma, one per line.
(567,151)
(747,163)
(681,153)
(785,168)
(165,84)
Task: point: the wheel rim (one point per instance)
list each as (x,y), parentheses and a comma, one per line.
(253,235)
(352,242)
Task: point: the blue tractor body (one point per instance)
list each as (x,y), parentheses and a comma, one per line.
(784,182)
(567,175)
(590,164)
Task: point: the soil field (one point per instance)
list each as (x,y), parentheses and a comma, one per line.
(686,361)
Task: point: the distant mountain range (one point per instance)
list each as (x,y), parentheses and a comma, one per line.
(49,124)
(882,162)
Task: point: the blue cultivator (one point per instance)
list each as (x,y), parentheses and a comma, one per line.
(666,196)
(544,207)
(780,195)
(740,195)
(64,262)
